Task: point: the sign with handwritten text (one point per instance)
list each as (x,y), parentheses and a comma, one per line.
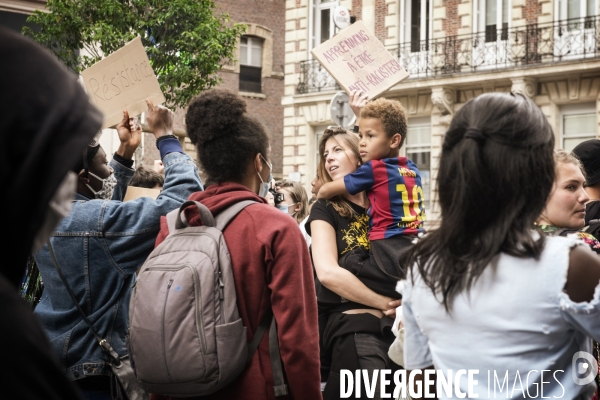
(357,60)
(122,81)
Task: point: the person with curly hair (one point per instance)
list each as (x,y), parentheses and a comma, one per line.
(270,261)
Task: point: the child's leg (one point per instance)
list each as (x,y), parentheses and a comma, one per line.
(364,267)
(353,260)
(388,255)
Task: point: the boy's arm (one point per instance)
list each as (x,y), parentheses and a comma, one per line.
(332,189)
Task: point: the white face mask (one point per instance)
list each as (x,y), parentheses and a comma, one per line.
(108,187)
(59,207)
(265,186)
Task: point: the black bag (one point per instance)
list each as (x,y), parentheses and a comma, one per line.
(123,382)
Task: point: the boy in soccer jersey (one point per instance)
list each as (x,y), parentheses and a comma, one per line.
(393,186)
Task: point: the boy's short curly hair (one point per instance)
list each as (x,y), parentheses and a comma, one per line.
(390,113)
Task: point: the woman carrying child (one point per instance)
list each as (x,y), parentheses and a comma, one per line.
(354,331)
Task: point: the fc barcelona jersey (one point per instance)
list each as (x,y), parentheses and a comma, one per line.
(393,186)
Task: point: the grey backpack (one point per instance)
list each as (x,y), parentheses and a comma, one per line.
(186,337)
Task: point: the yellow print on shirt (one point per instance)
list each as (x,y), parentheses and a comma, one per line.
(407,172)
(356,234)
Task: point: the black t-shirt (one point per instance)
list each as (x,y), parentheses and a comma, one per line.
(350,233)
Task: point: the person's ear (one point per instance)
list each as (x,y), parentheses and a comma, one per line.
(298,207)
(258,165)
(395,140)
(82,178)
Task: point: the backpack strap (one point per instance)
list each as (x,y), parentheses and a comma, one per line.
(225,216)
(279,386)
(106,347)
(176,219)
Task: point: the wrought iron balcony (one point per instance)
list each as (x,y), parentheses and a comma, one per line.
(494,49)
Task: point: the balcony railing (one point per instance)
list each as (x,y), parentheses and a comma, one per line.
(493,49)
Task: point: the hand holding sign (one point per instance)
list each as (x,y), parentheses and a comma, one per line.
(358,100)
(160,119)
(130,135)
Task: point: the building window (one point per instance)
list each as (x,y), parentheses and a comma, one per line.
(250,64)
(418,26)
(578,12)
(578,123)
(493,17)
(418,150)
(323,27)
(569,9)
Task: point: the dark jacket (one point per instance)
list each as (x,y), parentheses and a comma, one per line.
(46,121)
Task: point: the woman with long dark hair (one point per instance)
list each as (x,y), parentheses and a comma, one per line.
(486,291)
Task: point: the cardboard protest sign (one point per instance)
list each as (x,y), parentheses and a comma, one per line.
(357,60)
(134,192)
(122,81)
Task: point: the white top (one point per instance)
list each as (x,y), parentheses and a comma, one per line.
(303,230)
(515,318)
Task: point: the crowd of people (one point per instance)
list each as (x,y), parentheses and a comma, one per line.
(508,281)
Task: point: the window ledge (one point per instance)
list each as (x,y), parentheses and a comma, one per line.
(253,95)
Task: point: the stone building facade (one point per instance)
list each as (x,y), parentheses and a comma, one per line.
(453,51)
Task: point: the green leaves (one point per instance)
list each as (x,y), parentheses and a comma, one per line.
(185,41)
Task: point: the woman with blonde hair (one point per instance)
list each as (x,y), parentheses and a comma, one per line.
(295,200)
(354,328)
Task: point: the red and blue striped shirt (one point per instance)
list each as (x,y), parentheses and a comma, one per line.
(393,186)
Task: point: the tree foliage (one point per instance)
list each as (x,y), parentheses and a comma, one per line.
(186,41)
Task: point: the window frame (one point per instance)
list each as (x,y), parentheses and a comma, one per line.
(426,29)
(248,68)
(406,149)
(480,20)
(575,109)
(315,21)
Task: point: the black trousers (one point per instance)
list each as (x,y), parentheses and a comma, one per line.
(381,268)
(357,342)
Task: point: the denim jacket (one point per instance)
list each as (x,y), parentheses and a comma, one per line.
(99,247)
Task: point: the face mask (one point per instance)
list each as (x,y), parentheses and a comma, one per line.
(265,186)
(58,208)
(286,208)
(108,187)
